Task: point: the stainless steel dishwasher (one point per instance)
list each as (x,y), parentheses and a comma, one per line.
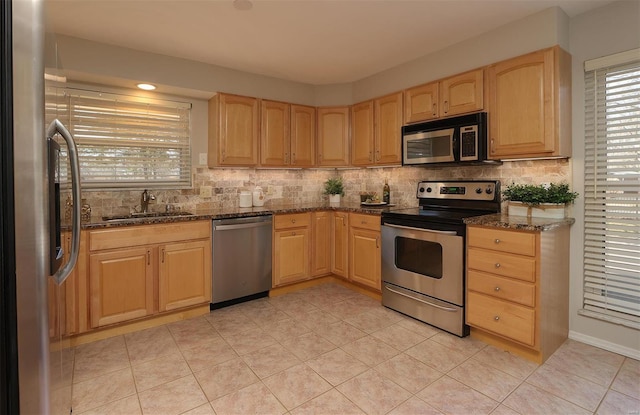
(241,250)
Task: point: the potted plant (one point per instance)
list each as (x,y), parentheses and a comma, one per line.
(334,188)
(539,200)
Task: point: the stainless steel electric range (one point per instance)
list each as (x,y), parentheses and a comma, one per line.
(423,260)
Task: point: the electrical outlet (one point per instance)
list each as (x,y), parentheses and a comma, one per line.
(203,159)
(205,191)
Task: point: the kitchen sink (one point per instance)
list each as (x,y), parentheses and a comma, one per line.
(145,215)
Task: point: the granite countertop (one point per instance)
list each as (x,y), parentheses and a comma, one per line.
(238,212)
(522,223)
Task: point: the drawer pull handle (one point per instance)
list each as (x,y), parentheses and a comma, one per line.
(497,289)
(497,241)
(497,265)
(496,318)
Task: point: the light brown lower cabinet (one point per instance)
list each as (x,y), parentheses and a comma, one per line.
(518,289)
(291,248)
(340,244)
(121,284)
(139,271)
(182,266)
(320,243)
(365,250)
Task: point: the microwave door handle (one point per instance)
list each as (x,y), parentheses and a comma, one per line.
(408,228)
(57,127)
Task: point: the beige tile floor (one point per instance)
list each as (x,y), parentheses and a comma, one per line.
(329,350)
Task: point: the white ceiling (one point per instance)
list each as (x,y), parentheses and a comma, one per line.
(311,41)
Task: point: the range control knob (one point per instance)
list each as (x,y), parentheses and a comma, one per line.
(421,190)
(488,190)
(478,190)
(429,190)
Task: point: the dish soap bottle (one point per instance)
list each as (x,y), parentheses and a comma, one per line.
(386,193)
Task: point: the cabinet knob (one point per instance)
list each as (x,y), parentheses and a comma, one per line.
(370,156)
(293,221)
(497,241)
(434,110)
(446,107)
(493,150)
(496,318)
(293,158)
(293,234)
(497,289)
(497,265)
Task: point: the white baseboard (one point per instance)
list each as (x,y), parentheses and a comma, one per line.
(603,344)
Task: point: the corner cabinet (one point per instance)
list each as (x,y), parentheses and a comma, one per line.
(233,131)
(518,289)
(320,243)
(530,106)
(138,271)
(459,94)
(303,136)
(340,244)
(365,250)
(333,136)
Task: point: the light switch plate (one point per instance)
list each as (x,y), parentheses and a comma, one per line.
(203,159)
(205,191)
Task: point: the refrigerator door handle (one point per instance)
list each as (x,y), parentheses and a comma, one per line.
(57,127)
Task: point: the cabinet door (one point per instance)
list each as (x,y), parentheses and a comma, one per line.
(333,136)
(303,136)
(388,124)
(362,139)
(274,133)
(364,255)
(121,285)
(233,130)
(421,103)
(184,274)
(321,244)
(462,93)
(70,286)
(340,247)
(291,256)
(522,106)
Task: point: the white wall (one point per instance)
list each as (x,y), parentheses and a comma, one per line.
(538,31)
(604,31)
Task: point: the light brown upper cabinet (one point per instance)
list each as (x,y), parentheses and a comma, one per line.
(455,95)
(303,136)
(333,136)
(275,139)
(388,123)
(375,131)
(233,131)
(530,106)
(362,125)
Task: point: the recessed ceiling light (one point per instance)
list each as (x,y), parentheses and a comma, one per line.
(242,4)
(147,87)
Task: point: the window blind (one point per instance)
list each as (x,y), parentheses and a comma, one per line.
(612,190)
(126,141)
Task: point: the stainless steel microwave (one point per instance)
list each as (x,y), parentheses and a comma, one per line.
(452,140)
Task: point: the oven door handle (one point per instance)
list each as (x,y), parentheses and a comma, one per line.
(408,228)
(419,300)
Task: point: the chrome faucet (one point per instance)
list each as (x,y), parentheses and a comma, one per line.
(145,199)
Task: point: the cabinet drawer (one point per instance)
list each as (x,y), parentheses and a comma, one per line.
(293,220)
(502,288)
(148,234)
(508,265)
(506,319)
(371,222)
(514,242)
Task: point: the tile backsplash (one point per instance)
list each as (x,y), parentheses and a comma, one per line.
(288,186)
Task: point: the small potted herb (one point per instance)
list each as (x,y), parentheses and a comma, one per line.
(334,188)
(538,200)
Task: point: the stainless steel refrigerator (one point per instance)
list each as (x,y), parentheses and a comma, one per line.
(36,360)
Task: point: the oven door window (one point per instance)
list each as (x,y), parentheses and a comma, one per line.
(418,256)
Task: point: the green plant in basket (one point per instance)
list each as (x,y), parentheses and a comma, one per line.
(534,195)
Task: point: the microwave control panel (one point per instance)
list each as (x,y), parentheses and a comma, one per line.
(469,143)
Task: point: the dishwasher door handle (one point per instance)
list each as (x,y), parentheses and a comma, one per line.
(240,226)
